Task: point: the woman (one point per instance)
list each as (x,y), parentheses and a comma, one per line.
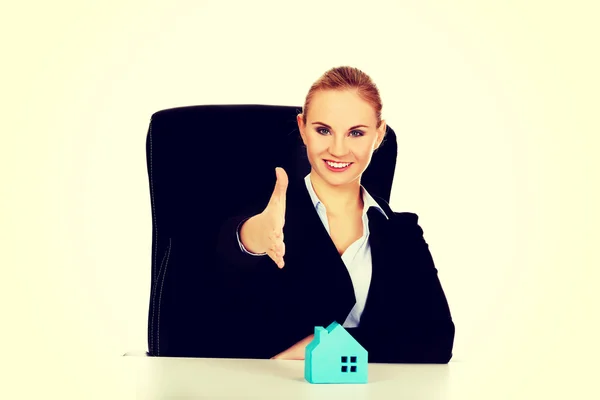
(325,250)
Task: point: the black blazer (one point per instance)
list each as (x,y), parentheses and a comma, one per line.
(406,317)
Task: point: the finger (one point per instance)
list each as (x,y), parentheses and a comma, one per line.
(278,243)
(278,217)
(282,249)
(273,256)
(276,235)
(278,252)
(280,260)
(277,259)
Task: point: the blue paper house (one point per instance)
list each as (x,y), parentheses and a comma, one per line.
(334,356)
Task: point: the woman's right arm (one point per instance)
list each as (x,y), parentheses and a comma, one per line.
(234,251)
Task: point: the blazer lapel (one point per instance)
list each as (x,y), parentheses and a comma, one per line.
(381,260)
(319,267)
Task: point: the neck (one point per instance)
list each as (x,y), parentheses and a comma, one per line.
(338,199)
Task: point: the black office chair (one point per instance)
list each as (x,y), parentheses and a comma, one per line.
(205,164)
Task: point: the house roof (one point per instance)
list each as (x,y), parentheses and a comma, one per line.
(321,333)
(333,326)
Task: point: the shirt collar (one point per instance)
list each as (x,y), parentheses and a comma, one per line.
(368,200)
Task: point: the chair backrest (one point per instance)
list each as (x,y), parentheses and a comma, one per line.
(205,164)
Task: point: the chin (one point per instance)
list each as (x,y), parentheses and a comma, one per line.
(338,178)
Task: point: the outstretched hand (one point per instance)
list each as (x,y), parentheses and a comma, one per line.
(273,219)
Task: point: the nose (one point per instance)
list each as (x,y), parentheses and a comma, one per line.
(338,147)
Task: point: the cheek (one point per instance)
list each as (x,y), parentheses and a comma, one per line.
(314,146)
(363,152)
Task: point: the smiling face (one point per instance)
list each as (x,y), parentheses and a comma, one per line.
(340,136)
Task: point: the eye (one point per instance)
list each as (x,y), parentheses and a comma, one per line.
(320,131)
(356,133)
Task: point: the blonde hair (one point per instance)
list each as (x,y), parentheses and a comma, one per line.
(344,78)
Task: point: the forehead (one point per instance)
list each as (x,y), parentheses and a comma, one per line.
(341,107)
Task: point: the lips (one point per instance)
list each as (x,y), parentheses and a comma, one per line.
(337,166)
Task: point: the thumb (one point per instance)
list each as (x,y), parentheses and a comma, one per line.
(281,184)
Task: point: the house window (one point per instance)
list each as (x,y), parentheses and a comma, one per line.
(351,364)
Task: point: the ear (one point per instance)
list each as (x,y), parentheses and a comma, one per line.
(380,134)
(301,127)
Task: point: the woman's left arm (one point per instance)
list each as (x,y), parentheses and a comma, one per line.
(428,339)
(423,332)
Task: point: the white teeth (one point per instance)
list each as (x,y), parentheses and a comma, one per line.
(337,165)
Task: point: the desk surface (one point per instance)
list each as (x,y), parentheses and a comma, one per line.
(170,378)
(280,379)
(266,379)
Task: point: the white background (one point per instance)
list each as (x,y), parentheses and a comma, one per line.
(495,105)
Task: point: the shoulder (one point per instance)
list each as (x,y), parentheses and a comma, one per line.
(401,221)
(404,217)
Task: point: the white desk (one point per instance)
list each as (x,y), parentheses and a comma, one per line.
(278,379)
(176,378)
(111,376)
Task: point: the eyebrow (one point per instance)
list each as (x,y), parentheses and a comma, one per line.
(327,126)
